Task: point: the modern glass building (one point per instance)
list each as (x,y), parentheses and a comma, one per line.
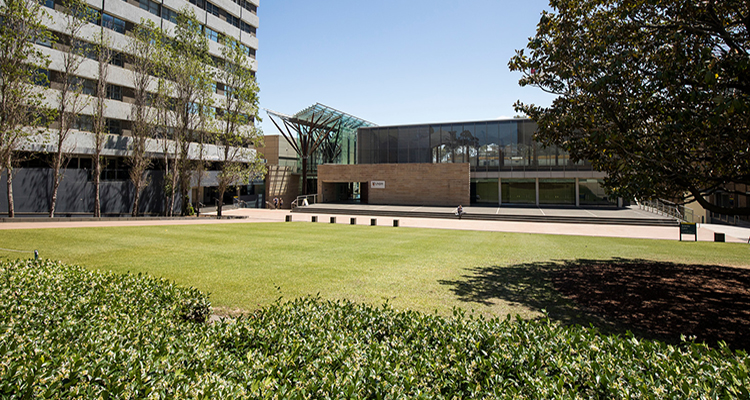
(507,166)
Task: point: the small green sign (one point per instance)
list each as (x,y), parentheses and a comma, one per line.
(688,229)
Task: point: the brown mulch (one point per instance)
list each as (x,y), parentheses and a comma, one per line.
(711,303)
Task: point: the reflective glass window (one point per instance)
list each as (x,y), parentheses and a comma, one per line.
(405,140)
(508,140)
(491,150)
(114,127)
(383,146)
(150,6)
(557,191)
(114,92)
(213,9)
(169,15)
(113,23)
(519,191)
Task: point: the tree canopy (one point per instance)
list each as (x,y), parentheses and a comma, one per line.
(653,92)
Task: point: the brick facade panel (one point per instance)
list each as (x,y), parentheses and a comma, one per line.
(405,184)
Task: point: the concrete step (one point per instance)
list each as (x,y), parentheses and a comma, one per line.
(492,217)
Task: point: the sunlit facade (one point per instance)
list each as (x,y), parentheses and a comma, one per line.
(507,166)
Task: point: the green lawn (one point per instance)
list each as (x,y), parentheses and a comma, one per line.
(246,266)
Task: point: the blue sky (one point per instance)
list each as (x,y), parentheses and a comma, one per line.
(395,61)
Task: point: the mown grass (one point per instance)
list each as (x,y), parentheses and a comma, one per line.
(248,266)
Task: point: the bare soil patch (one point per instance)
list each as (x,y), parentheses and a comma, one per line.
(711,303)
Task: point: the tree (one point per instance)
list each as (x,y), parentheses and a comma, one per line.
(70,87)
(21,65)
(143,51)
(192,80)
(103,58)
(239,111)
(653,93)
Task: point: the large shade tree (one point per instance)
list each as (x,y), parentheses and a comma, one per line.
(655,93)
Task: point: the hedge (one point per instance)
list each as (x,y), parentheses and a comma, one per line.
(66,332)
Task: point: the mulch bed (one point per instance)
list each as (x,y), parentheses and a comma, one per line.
(711,303)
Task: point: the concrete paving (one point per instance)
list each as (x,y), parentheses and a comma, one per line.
(705,231)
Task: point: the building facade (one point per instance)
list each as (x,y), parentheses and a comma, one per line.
(504,165)
(114,19)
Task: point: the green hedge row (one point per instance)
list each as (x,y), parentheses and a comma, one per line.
(66,332)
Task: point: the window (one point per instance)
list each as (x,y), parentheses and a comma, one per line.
(90,51)
(150,6)
(198,3)
(114,126)
(213,35)
(212,9)
(48,3)
(45,42)
(87,86)
(84,123)
(169,15)
(92,15)
(114,92)
(233,20)
(247,6)
(116,59)
(41,77)
(113,23)
(247,27)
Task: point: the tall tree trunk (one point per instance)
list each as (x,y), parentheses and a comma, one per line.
(55,185)
(11,206)
(172,196)
(97,187)
(136,196)
(221,202)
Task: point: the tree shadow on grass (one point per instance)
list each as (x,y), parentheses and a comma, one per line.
(652,299)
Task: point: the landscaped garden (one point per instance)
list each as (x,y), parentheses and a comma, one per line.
(316,324)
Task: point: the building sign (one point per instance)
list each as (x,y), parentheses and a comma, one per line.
(688,229)
(377,184)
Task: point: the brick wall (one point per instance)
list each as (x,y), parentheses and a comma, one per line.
(282,183)
(405,184)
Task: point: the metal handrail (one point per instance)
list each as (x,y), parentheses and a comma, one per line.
(666,208)
(300,200)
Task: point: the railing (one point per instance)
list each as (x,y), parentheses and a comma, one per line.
(305,200)
(663,207)
(716,218)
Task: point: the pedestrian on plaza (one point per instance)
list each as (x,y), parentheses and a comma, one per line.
(459,211)
(275,203)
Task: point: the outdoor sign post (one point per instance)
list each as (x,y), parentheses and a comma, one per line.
(688,229)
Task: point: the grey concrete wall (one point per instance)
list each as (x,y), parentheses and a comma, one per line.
(32,188)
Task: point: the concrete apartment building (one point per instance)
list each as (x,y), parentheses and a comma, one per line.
(115,18)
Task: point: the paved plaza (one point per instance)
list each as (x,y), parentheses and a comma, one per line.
(249,215)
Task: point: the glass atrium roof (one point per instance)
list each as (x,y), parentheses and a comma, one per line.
(348,121)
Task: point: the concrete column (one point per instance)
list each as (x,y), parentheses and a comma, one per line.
(537,191)
(499,191)
(578,192)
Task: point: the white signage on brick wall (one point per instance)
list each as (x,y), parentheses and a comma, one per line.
(377,184)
